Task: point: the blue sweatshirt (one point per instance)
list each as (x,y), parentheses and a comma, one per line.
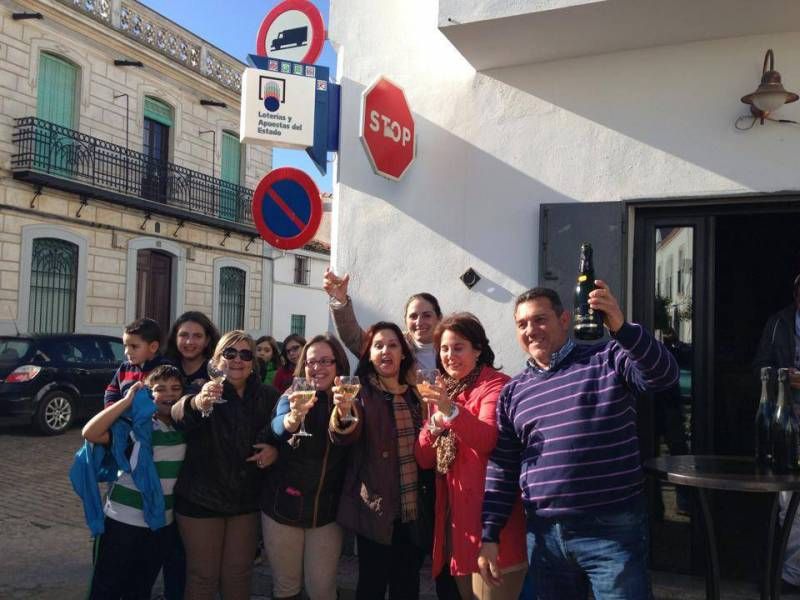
(567,436)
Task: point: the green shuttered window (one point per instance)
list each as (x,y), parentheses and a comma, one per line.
(158,111)
(56,90)
(231,169)
(54,286)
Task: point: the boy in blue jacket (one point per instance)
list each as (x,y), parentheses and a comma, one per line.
(129,553)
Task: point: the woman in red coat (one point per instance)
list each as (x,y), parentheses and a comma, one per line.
(464,434)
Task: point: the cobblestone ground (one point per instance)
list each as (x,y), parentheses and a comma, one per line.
(45,546)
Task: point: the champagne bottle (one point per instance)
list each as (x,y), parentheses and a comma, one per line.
(785,429)
(587,323)
(766,407)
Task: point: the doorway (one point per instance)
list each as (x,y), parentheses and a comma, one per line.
(154,287)
(706,280)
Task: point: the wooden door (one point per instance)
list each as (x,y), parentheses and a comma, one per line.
(154,286)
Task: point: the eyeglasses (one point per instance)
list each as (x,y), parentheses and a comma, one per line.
(292,349)
(322,362)
(231,353)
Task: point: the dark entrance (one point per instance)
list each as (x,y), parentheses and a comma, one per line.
(156,148)
(154,286)
(712,274)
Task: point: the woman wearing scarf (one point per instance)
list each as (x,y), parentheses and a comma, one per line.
(464,434)
(384,499)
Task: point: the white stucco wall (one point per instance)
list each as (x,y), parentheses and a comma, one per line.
(292,299)
(492,146)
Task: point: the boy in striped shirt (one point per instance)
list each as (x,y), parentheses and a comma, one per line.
(129,555)
(567,437)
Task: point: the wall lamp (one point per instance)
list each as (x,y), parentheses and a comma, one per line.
(770,95)
(217,103)
(21,16)
(120,62)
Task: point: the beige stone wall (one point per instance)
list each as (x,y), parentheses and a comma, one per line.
(99,114)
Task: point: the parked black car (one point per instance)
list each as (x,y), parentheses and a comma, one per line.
(51,380)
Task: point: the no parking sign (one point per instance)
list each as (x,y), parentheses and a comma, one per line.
(287,208)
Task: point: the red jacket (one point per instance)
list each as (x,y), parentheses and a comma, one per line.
(476,429)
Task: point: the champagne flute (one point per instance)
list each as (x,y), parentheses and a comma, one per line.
(217,375)
(305,387)
(426,379)
(349,386)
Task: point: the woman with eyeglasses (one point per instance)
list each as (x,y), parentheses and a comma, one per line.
(290,353)
(301,491)
(216,495)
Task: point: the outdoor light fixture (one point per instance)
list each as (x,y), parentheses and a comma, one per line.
(21,16)
(119,62)
(470,277)
(205,102)
(770,95)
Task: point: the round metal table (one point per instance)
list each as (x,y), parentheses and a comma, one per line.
(739,474)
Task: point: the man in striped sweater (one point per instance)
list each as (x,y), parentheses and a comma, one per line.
(567,438)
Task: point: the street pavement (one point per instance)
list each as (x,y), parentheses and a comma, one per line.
(45,548)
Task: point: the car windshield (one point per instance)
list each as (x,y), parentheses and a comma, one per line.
(14,349)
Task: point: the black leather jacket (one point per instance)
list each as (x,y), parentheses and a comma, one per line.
(302,488)
(215,474)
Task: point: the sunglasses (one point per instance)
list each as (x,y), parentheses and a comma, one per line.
(231,353)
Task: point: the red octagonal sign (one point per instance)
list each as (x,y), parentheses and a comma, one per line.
(387,129)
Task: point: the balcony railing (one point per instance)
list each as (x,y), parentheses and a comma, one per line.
(62,158)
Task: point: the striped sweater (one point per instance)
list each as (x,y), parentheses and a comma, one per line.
(127,375)
(124,503)
(567,437)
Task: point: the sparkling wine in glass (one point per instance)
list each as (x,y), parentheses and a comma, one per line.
(349,386)
(306,389)
(426,379)
(217,375)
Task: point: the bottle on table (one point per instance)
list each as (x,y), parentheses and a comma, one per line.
(785,429)
(587,323)
(764,414)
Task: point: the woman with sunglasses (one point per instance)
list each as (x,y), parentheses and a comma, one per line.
(216,495)
(290,353)
(384,499)
(301,491)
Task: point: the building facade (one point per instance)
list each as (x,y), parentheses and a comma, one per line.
(125,191)
(544,123)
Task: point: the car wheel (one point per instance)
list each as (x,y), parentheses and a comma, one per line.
(55,413)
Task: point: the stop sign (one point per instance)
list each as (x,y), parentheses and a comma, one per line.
(387,129)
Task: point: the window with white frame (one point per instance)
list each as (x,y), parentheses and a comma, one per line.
(232,285)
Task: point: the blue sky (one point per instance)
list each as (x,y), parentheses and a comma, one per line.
(234,31)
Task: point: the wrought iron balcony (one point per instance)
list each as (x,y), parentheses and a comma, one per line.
(54,156)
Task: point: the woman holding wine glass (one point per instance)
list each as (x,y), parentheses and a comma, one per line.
(290,353)
(301,491)
(384,498)
(463,433)
(216,494)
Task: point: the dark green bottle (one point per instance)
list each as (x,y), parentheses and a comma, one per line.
(785,429)
(766,406)
(587,323)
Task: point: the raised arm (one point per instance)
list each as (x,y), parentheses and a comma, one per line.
(342,313)
(97,429)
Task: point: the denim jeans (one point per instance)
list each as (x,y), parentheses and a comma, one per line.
(606,552)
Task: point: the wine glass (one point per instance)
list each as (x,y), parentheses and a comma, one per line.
(305,387)
(426,379)
(349,386)
(217,375)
